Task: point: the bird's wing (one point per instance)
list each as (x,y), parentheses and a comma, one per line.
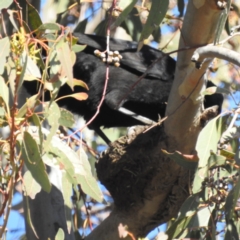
(154,62)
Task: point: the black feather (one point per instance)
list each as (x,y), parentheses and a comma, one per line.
(147,98)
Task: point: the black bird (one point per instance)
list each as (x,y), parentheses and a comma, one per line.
(146,98)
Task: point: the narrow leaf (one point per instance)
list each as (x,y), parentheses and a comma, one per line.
(88,182)
(222,22)
(30,103)
(67,193)
(78,48)
(206,143)
(4,52)
(34,20)
(79,96)
(50,26)
(80,83)
(33,161)
(60,235)
(31,186)
(156,15)
(4,93)
(64,53)
(124,14)
(66,119)
(181,160)
(5,4)
(52,114)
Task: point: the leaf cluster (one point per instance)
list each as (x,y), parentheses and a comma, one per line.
(44,54)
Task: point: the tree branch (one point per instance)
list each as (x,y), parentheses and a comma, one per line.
(202,53)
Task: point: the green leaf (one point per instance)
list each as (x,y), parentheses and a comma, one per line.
(77,167)
(199,218)
(34,20)
(12,18)
(36,122)
(181,5)
(60,235)
(189,207)
(181,160)
(133,25)
(123,15)
(66,119)
(156,15)
(4,93)
(4,52)
(30,103)
(216,160)
(67,194)
(230,134)
(33,161)
(85,178)
(63,161)
(11,73)
(54,63)
(232,200)
(50,26)
(101,28)
(222,22)
(23,60)
(5,4)
(231,231)
(52,114)
(202,217)
(31,187)
(30,69)
(206,143)
(64,56)
(177,227)
(157,35)
(81,26)
(212,90)
(78,48)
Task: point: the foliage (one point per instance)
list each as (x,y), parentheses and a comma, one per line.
(216,184)
(29,142)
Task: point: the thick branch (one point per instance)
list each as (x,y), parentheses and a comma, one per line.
(198,29)
(215,52)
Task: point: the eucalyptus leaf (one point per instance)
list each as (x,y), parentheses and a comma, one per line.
(66,119)
(64,53)
(67,194)
(34,20)
(124,14)
(50,26)
(4,51)
(30,103)
(33,161)
(5,4)
(206,143)
(4,94)
(31,187)
(52,114)
(60,234)
(156,15)
(182,161)
(222,22)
